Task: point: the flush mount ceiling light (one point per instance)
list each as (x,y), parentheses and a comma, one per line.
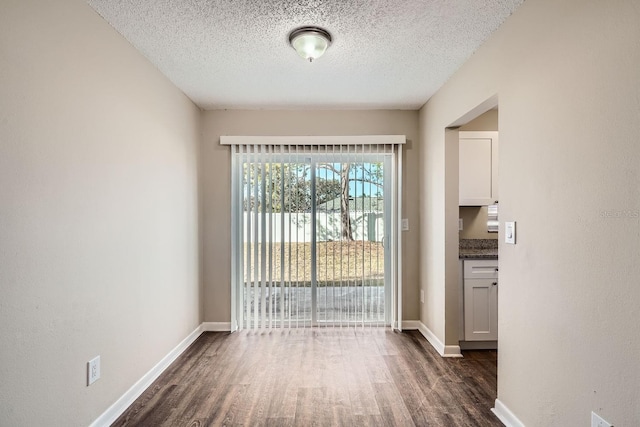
(310,42)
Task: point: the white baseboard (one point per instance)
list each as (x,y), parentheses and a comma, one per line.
(452,351)
(443,350)
(507,417)
(115,410)
(216,326)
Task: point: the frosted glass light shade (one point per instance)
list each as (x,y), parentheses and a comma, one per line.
(310,42)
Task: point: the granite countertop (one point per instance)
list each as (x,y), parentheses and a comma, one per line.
(478,249)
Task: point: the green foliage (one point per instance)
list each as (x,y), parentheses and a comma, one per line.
(277,188)
(286,187)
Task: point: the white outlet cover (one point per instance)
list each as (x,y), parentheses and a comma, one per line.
(405,224)
(510,232)
(460,224)
(93,370)
(597,421)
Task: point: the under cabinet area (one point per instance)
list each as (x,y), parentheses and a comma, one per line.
(480,301)
(478,168)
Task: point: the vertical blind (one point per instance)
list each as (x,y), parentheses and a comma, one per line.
(315,231)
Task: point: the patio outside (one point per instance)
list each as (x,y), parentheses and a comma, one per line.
(350,283)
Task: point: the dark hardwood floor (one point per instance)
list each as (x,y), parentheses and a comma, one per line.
(322,377)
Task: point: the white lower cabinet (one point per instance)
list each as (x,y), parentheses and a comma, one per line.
(481,300)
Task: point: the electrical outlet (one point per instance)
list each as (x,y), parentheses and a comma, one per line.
(421,296)
(597,421)
(405,224)
(93,370)
(460,224)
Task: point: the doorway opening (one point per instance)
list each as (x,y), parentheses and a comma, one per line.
(472,143)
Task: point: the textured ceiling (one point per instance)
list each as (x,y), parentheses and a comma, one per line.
(235,53)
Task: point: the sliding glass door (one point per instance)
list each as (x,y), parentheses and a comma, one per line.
(310,234)
(350,257)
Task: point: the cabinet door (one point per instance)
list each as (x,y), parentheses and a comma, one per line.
(481,309)
(478,168)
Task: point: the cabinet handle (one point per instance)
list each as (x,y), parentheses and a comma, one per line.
(495,283)
(496,268)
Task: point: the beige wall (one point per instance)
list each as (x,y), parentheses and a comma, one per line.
(216,163)
(566,76)
(99,239)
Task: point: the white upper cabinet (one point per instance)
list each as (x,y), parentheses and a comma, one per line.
(478,168)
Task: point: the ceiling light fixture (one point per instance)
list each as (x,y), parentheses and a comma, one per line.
(310,42)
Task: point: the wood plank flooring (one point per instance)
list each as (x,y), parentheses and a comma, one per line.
(320,377)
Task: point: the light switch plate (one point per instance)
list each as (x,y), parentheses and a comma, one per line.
(510,232)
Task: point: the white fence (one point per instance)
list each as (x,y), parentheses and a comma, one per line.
(367,226)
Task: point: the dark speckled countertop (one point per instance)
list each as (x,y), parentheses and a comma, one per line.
(478,249)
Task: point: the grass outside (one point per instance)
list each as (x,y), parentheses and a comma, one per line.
(359,261)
